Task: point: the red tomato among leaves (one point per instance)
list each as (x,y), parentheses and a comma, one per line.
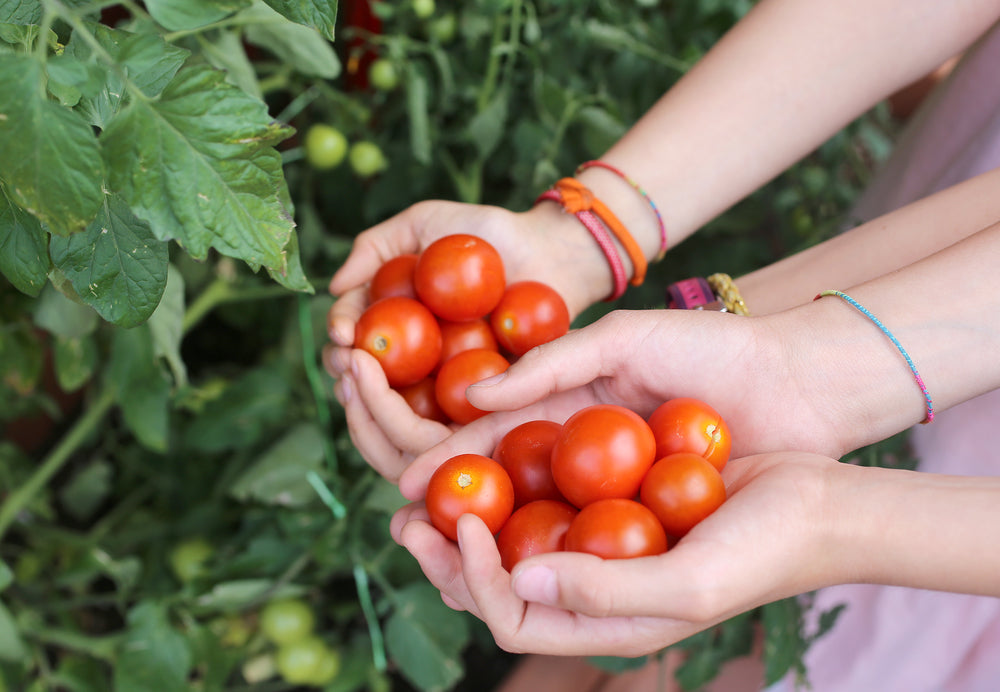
(616,528)
(529,314)
(403,336)
(537,527)
(423,401)
(460,277)
(603,452)
(469,484)
(465,336)
(394,278)
(460,371)
(526,452)
(690,425)
(682,489)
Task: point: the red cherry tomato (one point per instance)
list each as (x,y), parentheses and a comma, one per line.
(423,401)
(394,278)
(455,376)
(526,452)
(403,336)
(537,527)
(469,484)
(616,529)
(460,277)
(682,489)
(465,336)
(602,452)
(690,425)
(529,314)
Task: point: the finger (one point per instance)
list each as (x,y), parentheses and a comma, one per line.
(376,245)
(415,511)
(336,359)
(344,314)
(366,435)
(440,560)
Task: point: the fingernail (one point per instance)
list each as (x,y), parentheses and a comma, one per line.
(354,367)
(490,381)
(537,584)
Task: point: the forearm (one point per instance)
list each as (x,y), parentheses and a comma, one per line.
(878,247)
(919,530)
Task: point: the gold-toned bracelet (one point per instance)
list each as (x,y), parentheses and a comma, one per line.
(725,288)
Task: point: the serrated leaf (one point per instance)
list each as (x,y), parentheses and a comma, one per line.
(167,325)
(116,265)
(181,15)
(148,60)
(142,388)
(63,317)
(292,276)
(24,253)
(153,655)
(21,11)
(279,475)
(319,14)
(302,47)
(75,361)
(51,162)
(199,166)
(225,50)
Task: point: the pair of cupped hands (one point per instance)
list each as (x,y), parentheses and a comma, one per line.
(763,544)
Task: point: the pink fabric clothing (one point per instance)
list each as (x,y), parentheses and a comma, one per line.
(892,639)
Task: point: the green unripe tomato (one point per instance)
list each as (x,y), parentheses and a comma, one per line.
(287,620)
(423,8)
(325,146)
(443,29)
(366,158)
(383,74)
(307,661)
(187,558)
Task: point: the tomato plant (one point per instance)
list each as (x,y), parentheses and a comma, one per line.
(535,528)
(423,8)
(460,277)
(326,146)
(690,425)
(465,336)
(383,74)
(287,620)
(616,528)
(682,489)
(394,278)
(188,557)
(455,376)
(526,452)
(529,314)
(307,661)
(603,451)
(366,158)
(469,484)
(403,336)
(423,400)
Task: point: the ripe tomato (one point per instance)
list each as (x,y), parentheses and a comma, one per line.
(682,489)
(469,484)
(403,336)
(616,529)
(286,620)
(460,277)
(394,278)
(455,376)
(325,146)
(602,452)
(423,401)
(529,314)
(465,336)
(690,425)
(537,527)
(526,452)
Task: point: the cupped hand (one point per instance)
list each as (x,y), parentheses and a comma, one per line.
(766,542)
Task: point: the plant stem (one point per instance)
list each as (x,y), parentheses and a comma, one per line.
(22,496)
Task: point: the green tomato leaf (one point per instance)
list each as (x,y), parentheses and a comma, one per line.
(62,316)
(142,387)
(425,638)
(300,46)
(486,128)
(75,361)
(319,14)
(12,647)
(199,166)
(116,265)
(51,162)
(224,50)
(21,12)
(87,489)
(6,575)
(153,655)
(182,15)
(167,325)
(278,476)
(24,253)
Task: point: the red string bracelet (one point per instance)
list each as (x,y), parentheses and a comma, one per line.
(600,234)
(638,188)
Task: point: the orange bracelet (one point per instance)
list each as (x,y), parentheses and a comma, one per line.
(576,198)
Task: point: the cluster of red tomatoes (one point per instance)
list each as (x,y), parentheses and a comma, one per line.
(445,318)
(605,482)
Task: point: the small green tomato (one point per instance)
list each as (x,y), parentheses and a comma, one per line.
(366,159)
(307,661)
(383,75)
(423,8)
(325,146)
(187,559)
(287,620)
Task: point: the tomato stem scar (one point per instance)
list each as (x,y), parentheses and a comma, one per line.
(464,480)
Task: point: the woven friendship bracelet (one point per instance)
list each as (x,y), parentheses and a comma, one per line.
(895,342)
(638,188)
(600,235)
(728,293)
